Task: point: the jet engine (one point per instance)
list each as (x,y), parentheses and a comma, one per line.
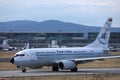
(67,64)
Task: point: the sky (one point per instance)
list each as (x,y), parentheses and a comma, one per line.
(86,12)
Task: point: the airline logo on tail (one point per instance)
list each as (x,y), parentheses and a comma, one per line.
(103,39)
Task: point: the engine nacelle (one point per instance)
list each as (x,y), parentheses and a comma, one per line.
(67,64)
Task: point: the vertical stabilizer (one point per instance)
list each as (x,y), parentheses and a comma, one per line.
(102,39)
(5,44)
(27,46)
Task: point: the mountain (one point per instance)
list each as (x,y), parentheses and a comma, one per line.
(47,26)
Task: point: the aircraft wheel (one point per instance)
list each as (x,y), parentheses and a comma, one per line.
(74,70)
(55,67)
(23,70)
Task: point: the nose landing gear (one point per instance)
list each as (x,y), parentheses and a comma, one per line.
(23,70)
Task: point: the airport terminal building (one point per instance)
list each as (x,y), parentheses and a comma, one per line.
(68,39)
(42,34)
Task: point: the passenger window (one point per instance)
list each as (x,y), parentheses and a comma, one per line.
(19,55)
(22,54)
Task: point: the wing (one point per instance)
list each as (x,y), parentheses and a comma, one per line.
(82,60)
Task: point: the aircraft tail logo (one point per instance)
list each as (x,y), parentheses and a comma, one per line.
(102,39)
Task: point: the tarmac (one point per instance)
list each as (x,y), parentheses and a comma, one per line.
(49,72)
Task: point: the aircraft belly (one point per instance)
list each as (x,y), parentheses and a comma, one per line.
(23,62)
(45,60)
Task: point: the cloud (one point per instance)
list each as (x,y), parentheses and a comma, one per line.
(56,2)
(78,11)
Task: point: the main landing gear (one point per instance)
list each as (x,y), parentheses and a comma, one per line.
(74,70)
(55,67)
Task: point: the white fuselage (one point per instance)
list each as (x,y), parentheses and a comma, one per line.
(47,56)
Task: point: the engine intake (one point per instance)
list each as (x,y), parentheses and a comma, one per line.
(67,64)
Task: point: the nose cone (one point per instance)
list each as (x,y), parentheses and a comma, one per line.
(12,60)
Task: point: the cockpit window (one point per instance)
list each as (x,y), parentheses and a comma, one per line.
(19,55)
(22,54)
(16,55)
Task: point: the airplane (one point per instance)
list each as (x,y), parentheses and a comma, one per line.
(26,46)
(53,44)
(65,58)
(5,46)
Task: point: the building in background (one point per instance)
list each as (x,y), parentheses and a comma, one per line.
(42,40)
